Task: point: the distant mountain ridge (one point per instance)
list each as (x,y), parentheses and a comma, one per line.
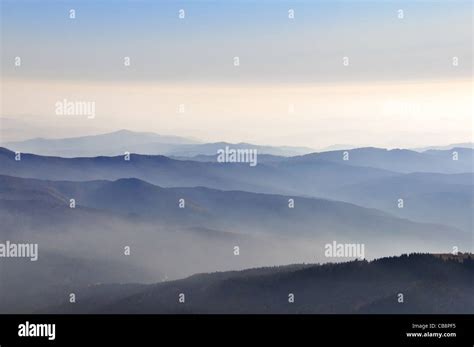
(286,177)
(445,198)
(445,147)
(399,160)
(428,197)
(214,209)
(118,142)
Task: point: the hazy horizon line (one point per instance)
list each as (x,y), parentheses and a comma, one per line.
(199,141)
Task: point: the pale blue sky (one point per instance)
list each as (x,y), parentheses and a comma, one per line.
(271,47)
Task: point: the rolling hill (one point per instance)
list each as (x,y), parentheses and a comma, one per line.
(429,284)
(232,211)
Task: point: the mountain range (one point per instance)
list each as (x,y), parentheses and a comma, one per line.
(185,213)
(230,211)
(433,197)
(168,242)
(121,141)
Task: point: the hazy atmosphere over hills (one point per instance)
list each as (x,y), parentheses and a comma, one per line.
(236,153)
(182,211)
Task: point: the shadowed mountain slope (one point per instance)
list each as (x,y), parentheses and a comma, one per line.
(429,284)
